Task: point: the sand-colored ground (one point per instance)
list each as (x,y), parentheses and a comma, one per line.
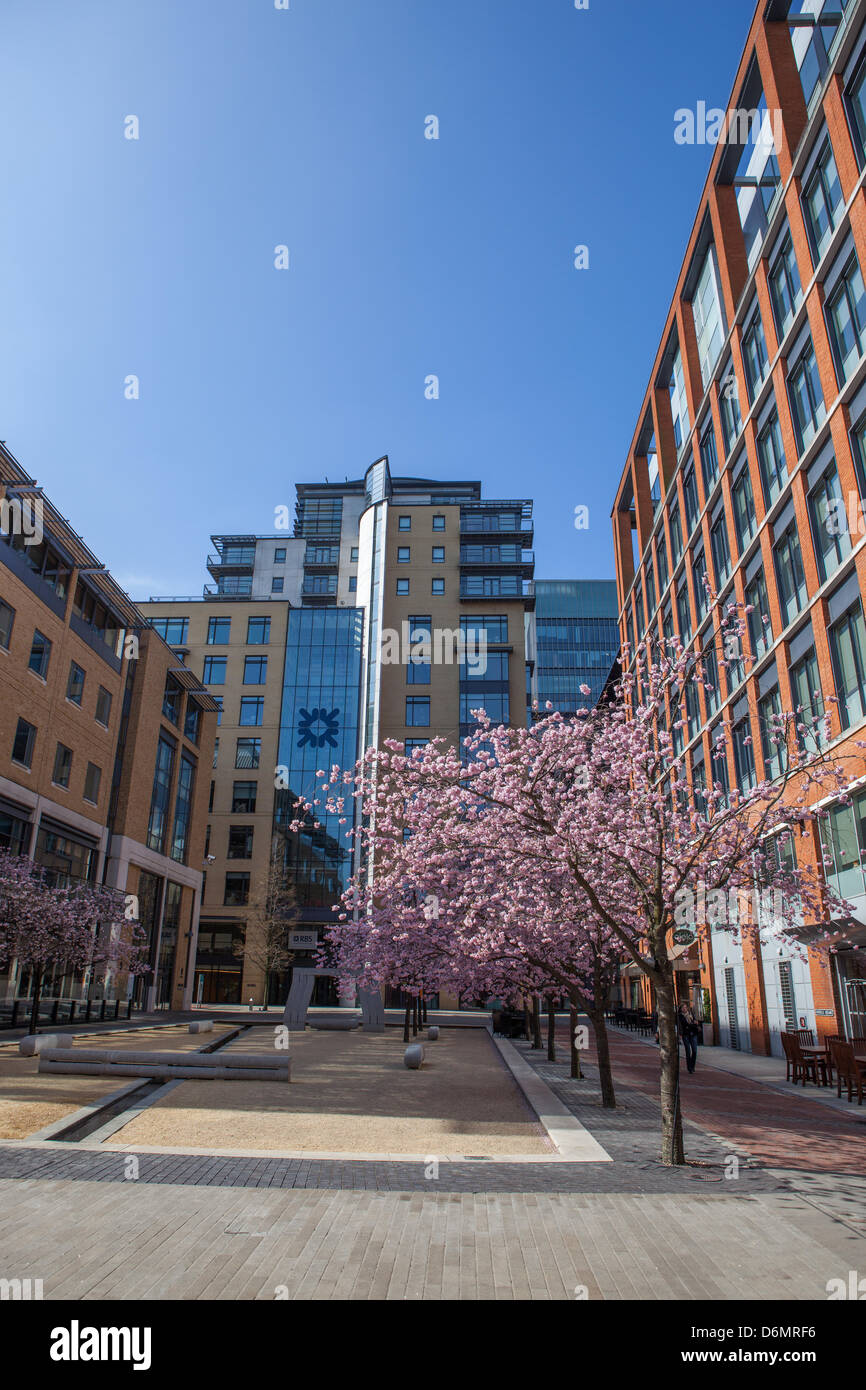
(29,1102)
(350,1093)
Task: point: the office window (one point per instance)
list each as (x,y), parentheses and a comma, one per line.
(729,406)
(258,632)
(255,670)
(679,403)
(438,586)
(438,523)
(417,711)
(771,460)
(806,396)
(856,102)
(353,583)
(172,699)
(693,709)
(410,744)
(75,684)
(7,618)
(353,555)
(709,458)
(721,551)
(214,671)
(709,327)
(92,780)
(662,561)
(277,584)
(791,577)
(417,672)
(216,752)
(280,555)
(40,654)
(495,669)
(402,587)
(684,613)
(240,842)
(103,706)
(846,319)
(22,745)
(157,821)
(219,631)
(218,701)
(822,202)
(760,632)
(676,535)
(808,702)
(719,764)
(192,722)
(183,810)
(711,685)
(237,890)
(690,497)
(772,743)
(754,355)
(404,523)
(404,554)
(252,710)
(493,630)
(785,288)
(244,798)
(699,575)
(438,555)
(744,757)
(745,521)
(848,648)
(829,525)
(62,766)
(651,600)
(173,631)
(248,752)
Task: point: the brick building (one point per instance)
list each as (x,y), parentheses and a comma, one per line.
(748,466)
(101,737)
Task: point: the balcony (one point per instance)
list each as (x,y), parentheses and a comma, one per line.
(497,588)
(498,558)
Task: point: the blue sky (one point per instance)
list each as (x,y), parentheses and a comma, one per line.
(408,257)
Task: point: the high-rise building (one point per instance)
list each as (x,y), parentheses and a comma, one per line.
(397,608)
(747,469)
(576,641)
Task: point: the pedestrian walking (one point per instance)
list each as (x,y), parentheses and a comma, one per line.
(689,1030)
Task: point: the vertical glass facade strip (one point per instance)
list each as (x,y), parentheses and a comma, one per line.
(577,638)
(319,726)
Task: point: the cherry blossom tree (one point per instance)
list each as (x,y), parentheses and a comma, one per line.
(48,927)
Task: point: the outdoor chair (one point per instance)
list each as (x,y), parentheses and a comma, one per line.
(803,1067)
(806,1037)
(849,1068)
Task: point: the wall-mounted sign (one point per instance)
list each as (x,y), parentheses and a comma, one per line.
(303,940)
(684,937)
(824,1013)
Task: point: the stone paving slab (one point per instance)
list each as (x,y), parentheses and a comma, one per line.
(230,1243)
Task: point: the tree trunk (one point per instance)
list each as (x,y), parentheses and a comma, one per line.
(407,1022)
(602,1047)
(34,1010)
(576,1073)
(673,1153)
(551,1029)
(536,1024)
(415,1017)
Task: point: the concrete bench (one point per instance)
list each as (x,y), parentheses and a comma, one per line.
(168,1066)
(335,1025)
(202,1025)
(413,1056)
(38,1042)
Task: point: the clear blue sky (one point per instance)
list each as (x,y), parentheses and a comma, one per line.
(408,256)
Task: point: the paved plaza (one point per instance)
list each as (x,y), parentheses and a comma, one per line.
(772,1205)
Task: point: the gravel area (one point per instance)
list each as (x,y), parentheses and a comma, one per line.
(350,1093)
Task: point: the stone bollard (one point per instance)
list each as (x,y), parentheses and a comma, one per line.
(433,1032)
(413,1056)
(37,1042)
(201,1025)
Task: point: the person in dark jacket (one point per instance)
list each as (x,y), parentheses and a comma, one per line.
(689,1031)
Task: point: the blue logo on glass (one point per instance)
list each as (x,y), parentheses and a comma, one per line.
(318,727)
